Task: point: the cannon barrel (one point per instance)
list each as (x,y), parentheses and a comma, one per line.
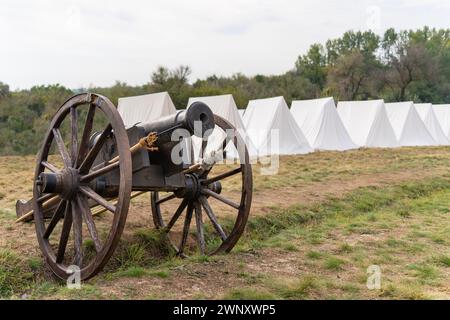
(198,120)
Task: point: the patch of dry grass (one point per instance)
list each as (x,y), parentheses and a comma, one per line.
(322,220)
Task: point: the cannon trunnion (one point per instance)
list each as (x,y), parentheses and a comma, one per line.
(90,166)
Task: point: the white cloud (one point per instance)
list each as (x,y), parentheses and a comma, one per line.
(77,43)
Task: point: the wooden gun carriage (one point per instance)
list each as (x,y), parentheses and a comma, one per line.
(81,197)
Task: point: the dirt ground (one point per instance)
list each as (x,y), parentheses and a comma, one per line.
(326,258)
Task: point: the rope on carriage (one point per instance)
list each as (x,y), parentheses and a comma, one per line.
(148,141)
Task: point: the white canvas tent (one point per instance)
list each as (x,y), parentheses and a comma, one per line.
(145,108)
(409,128)
(428,116)
(241,112)
(367,123)
(442,112)
(272,129)
(321,124)
(225,107)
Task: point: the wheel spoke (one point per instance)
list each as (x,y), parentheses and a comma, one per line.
(203,148)
(177,214)
(87,216)
(212,217)
(74,131)
(59,212)
(97,198)
(92,154)
(77,233)
(62,148)
(222,176)
(67,225)
(226,141)
(46,197)
(94,174)
(190,145)
(221,198)
(187,223)
(199,224)
(50,166)
(162,200)
(84,143)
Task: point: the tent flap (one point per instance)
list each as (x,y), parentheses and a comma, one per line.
(367,123)
(272,128)
(321,124)
(409,128)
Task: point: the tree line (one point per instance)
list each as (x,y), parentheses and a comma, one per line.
(396,66)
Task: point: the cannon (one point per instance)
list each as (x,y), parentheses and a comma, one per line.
(90,166)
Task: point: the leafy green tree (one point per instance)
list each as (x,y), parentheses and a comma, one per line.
(312,65)
(349,76)
(175,82)
(437,43)
(366,43)
(408,61)
(4,90)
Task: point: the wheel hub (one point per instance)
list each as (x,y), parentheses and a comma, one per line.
(194,186)
(65,183)
(215,186)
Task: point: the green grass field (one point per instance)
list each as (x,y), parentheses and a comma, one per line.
(314,230)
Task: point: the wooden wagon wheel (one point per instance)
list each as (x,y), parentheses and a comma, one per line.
(224,232)
(73,195)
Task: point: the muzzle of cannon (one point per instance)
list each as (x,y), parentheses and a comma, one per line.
(84,171)
(198,120)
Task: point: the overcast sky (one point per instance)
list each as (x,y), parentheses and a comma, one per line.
(82,43)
